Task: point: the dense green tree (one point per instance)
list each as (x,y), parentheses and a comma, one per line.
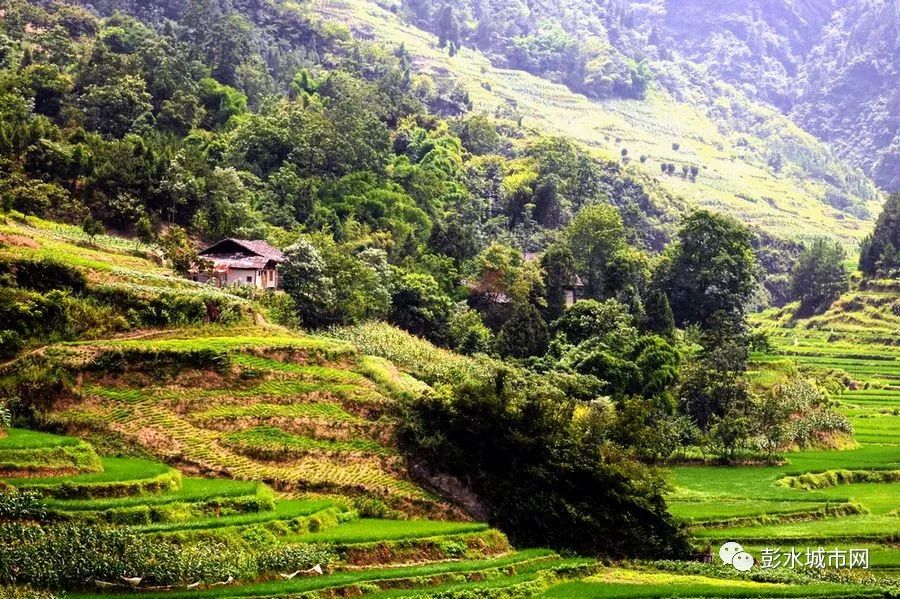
(477,133)
(113,109)
(419,306)
(178,250)
(447,25)
(91,227)
(652,434)
(595,238)
(708,395)
(773,417)
(819,277)
(525,334)
(144,230)
(454,238)
(548,206)
(658,361)
(226,207)
(880,252)
(712,269)
(713,388)
(220,102)
(608,321)
(511,438)
(658,316)
(468,334)
(594,357)
(304,278)
(558,266)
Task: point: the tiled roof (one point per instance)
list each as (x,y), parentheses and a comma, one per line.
(257,247)
(244,262)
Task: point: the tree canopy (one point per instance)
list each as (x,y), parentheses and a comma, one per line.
(819,276)
(879,253)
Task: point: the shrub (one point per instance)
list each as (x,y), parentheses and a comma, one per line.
(21,505)
(158,361)
(510,435)
(468,334)
(24,593)
(165,308)
(44,275)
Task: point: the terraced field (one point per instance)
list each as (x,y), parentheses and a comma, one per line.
(114,265)
(358,556)
(151,498)
(300,413)
(374,556)
(768,506)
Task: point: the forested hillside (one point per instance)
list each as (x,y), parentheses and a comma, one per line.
(831,66)
(809,59)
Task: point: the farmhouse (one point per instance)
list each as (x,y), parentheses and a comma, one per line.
(241,262)
(573,289)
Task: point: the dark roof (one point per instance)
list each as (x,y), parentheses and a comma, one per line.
(245,262)
(256,247)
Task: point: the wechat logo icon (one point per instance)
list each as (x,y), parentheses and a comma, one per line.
(732,553)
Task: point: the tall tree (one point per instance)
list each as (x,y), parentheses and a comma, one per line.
(819,277)
(658,316)
(524,334)
(595,237)
(712,269)
(880,252)
(559,275)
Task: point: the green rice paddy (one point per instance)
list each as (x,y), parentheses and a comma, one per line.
(768,513)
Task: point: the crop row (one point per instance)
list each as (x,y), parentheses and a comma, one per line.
(319,411)
(273,443)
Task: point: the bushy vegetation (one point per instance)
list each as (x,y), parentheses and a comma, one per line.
(62,555)
(819,276)
(520,445)
(543,44)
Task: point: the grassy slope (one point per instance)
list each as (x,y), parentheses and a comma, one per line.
(734,177)
(110,261)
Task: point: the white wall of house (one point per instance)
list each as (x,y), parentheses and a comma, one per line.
(242,276)
(248,277)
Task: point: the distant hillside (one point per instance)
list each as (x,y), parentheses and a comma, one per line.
(850,95)
(830,66)
(753,162)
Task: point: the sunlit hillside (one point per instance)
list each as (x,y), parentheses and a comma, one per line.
(734,175)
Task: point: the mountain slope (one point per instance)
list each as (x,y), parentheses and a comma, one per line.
(734,171)
(849,89)
(830,66)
